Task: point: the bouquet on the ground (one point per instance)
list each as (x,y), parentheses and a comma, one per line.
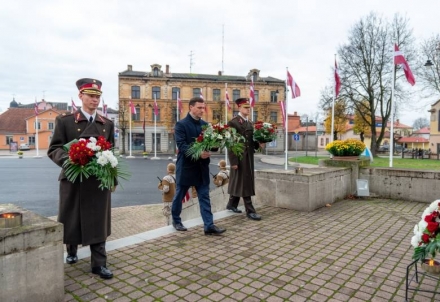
(93,157)
(264,132)
(214,137)
(426,239)
(348,147)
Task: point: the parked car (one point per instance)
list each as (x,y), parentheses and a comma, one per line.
(384,148)
(24,147)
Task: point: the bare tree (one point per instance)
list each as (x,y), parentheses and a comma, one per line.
(429,75)
(366,66)
(420,123)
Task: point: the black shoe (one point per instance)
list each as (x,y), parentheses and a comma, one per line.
(233,209)
(179,227)
(103,272)
(253,216)
(214,230)
(71,259)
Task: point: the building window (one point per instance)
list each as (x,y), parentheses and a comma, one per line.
(175,92)
(216,94)
(156,72)
(9,139)
(438,124)
(322,141)
(156,93)
(273,117)
(326,141)
(135,92)
(31,140)
(50,125)
(235,94)
(273,97)
(136,116)
(255,116)
(256,96)
(196,92)
(174,117)
(157,116)
(39,125)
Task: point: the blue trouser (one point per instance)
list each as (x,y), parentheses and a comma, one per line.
(204,202)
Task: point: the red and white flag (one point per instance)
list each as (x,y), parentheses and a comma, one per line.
(201,94)
(36,108)
(156,109)
(283,113)
(179,104)
(399,59)
(187,196)
(252,93)
(293,86)
(132,108)
(337,80)
(74,108)
(228,102)
(104,109)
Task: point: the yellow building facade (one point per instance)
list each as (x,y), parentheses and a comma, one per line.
(150,132)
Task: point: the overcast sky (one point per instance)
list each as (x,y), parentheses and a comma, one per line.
(47,45)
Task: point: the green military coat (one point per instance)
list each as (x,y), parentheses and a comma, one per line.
(84,209)
(242,180)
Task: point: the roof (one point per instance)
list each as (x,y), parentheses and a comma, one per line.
(197,76)
(305,129)
(13,120)
(399,125)
(413,139)
(424,130)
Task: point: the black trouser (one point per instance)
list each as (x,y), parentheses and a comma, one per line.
(233,202)
(97,250)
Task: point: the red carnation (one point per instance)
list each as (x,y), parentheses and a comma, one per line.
(425,238)
(432,226)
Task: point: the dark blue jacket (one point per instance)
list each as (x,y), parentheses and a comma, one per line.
(190,172)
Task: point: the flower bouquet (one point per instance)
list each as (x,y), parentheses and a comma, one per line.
(348,147)
(93,157)
(426,239)
(264,132)
(214,137)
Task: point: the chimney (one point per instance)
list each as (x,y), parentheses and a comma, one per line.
(129,67)
(397,121)
(294,113)
(219,73)
(167,69)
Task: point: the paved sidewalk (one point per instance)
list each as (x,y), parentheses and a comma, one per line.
(355,250)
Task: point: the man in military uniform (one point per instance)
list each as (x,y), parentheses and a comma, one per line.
(242,178)
(84,208)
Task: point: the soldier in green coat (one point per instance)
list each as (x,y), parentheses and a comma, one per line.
(84,209)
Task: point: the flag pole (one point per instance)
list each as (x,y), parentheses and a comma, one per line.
(155,138)
(226,119)
(178,109)
(333,111)
(131,113)
(36,130)
(286,97)
(392,108)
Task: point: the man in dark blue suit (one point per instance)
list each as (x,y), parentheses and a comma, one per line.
(190,172)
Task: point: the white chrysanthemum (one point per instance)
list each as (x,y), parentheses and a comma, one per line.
(422,225)
(93,146)
(267,125)
(219,136)
(227,134)
(416,239)
(93,140)
(434,206)
(102,160)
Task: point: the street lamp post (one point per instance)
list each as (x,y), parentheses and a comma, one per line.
(306,117)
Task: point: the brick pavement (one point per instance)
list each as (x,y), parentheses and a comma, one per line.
(356,250)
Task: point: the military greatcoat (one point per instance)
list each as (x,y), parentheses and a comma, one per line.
(242,180)
(84,209)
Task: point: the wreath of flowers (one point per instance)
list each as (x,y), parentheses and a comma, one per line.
(426,239)
(214,137)
(348,147)
(264,132)
(93,157)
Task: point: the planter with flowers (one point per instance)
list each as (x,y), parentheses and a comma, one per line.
(345,149)
(20,154)
(145,154)
(426,239)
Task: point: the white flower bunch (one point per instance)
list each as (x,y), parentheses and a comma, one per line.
(106,157)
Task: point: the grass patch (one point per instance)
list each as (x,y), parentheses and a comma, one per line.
(406,163)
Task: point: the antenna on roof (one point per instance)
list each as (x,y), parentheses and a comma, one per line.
(191,63)
(223,47)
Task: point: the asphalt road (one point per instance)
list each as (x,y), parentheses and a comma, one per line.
(33,183)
